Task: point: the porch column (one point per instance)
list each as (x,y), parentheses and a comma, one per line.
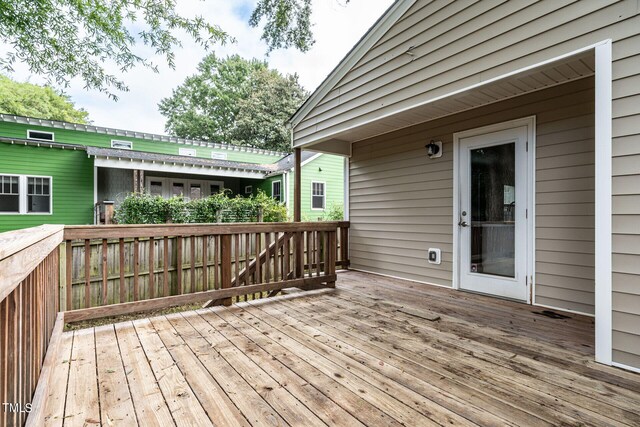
(297,188)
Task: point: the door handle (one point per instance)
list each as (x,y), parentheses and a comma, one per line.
(463,223)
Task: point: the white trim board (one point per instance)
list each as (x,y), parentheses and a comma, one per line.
(530,123)
(603,203)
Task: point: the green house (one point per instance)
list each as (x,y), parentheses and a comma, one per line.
(58,173)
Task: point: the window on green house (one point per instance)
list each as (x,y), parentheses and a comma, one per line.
(317,195)
(38,195)
(9,194)
(276,190)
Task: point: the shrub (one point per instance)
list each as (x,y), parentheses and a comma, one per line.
(272,210)
(143,209)
(334,213)
(147,209)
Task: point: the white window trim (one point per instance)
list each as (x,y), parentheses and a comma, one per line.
(24,197)
(122,141)
(248,189)
(324,196)
(53,135)
(273,185)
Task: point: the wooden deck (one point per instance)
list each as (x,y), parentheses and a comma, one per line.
(374,351)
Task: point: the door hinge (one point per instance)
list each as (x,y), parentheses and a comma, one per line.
(527,145)
(526,213)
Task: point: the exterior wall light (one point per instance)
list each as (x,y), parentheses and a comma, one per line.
(434,149)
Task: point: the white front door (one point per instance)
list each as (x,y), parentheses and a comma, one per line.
(492,212)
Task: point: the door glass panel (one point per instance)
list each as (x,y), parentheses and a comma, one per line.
(196,192)
(493,204)
(177,189)
(155,188)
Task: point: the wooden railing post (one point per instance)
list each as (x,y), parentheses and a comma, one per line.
(225,267)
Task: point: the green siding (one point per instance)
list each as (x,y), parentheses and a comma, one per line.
(72,175)
(266,185)
(332,174)
(95,139)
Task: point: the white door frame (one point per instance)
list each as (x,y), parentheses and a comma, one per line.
(530,123)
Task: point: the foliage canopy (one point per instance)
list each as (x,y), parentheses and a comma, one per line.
(235,101)
(63,39)
(26,99)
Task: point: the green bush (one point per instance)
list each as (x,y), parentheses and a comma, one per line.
(143,209)
(334,213)
(147,209)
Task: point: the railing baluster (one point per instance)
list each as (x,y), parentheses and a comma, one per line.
(152,268)
(205,262)
(87,273)
(267,257)
(258,277)
(317,252)
(122,290)
(216,258)
(192,264)
(247,257)
(179,264)
(105,271)
(276,258)
(69,274)
(136,269)
(308,245)
(165,267)
(287,257)
(237,258)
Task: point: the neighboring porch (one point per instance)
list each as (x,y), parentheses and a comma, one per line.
(373,351)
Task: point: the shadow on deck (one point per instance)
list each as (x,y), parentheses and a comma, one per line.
(374,351)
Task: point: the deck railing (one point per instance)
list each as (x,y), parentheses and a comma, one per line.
(113,270)
(28,311)
(51,275)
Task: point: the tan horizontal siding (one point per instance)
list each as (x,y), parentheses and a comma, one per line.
(492,43)
(401,202)
(626,201)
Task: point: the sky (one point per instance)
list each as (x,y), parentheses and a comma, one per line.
(337,28)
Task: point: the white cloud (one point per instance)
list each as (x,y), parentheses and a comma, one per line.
(336,28)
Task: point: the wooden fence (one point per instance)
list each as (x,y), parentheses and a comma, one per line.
(28,313)
(151,267)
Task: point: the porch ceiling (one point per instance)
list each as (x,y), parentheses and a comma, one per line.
(534,79)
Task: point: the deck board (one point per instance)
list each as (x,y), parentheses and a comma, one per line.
(360,354)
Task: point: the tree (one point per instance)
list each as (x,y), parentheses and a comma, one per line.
(26,99)
(235,101)
(262,115)
(63,39)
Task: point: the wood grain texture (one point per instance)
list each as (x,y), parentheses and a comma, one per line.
(360,354)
